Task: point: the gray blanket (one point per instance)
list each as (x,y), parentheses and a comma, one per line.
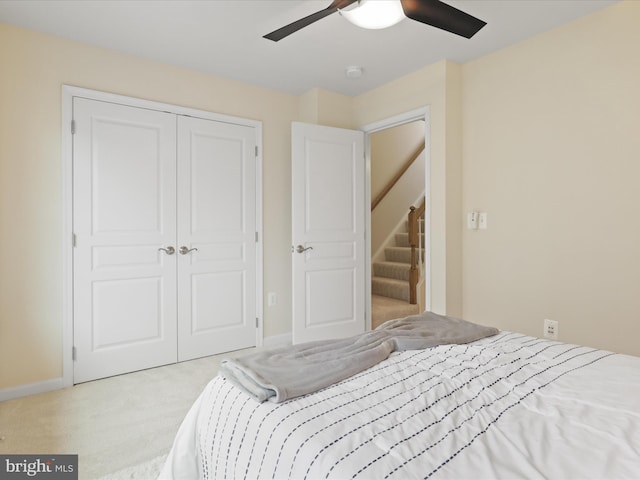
(283,373)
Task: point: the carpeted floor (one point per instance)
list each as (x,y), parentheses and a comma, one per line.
(112,424)
(120,427)
(385,308)
(144,471)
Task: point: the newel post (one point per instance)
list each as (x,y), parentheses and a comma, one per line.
(414,273)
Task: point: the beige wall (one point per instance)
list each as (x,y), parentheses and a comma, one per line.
(390,149)
(438,87)
(552,153)
(541,135)
(33,68)
(323,107)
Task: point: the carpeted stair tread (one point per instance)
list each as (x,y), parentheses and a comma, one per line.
(397,270)
(398,254)
(390,287)
(402,239)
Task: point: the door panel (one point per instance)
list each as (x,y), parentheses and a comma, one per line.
(217,216)
(323,284)
(217,301)
(124,210)
(328,220)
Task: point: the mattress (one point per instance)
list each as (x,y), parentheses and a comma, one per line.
(507,406)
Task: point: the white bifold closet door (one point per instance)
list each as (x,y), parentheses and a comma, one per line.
(164,227)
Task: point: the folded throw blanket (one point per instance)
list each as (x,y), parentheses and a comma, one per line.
(287,372)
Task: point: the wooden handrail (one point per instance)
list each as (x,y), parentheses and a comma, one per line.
(397,176)
(414,242)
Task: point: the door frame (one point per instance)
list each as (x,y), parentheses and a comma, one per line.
(423,113)
(68,93)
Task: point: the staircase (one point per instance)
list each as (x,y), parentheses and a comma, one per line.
(391,294)
(390,281)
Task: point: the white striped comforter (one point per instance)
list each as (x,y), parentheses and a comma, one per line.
(508,406)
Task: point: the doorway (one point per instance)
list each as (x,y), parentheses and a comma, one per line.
(387,223)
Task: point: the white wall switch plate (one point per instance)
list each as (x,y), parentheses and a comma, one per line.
(482,220)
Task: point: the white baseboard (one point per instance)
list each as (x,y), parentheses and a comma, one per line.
(277,340)
(31,389)
(58,383)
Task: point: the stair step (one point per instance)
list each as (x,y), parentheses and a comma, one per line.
(390,287)
(402,239)
(399,254)
(397,270)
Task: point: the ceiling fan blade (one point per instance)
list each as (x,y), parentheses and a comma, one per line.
(443,16)
(287,30)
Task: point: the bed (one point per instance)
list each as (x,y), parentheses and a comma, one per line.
(505,406)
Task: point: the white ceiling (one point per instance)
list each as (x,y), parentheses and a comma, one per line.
(224,37)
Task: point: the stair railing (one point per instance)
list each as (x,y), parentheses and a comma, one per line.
(397,176)
(415,242)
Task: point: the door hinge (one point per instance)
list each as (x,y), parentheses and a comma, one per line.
(257,322)
(256,237)
(73,239)
(73,127)
(74,353)
(256,150)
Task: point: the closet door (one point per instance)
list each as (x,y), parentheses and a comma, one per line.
(124,176)
(216,237)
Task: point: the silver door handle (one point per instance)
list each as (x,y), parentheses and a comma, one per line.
(168,250)
(301,249)
(184,250)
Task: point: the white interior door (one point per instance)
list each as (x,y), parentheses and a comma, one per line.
(216,237)
(124,177)
(328,232)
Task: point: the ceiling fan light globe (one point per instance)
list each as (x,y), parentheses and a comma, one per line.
(375,14)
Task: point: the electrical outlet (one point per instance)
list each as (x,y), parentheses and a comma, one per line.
(550,329)
(272,299)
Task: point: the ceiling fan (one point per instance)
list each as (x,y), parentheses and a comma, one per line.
(431,12)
